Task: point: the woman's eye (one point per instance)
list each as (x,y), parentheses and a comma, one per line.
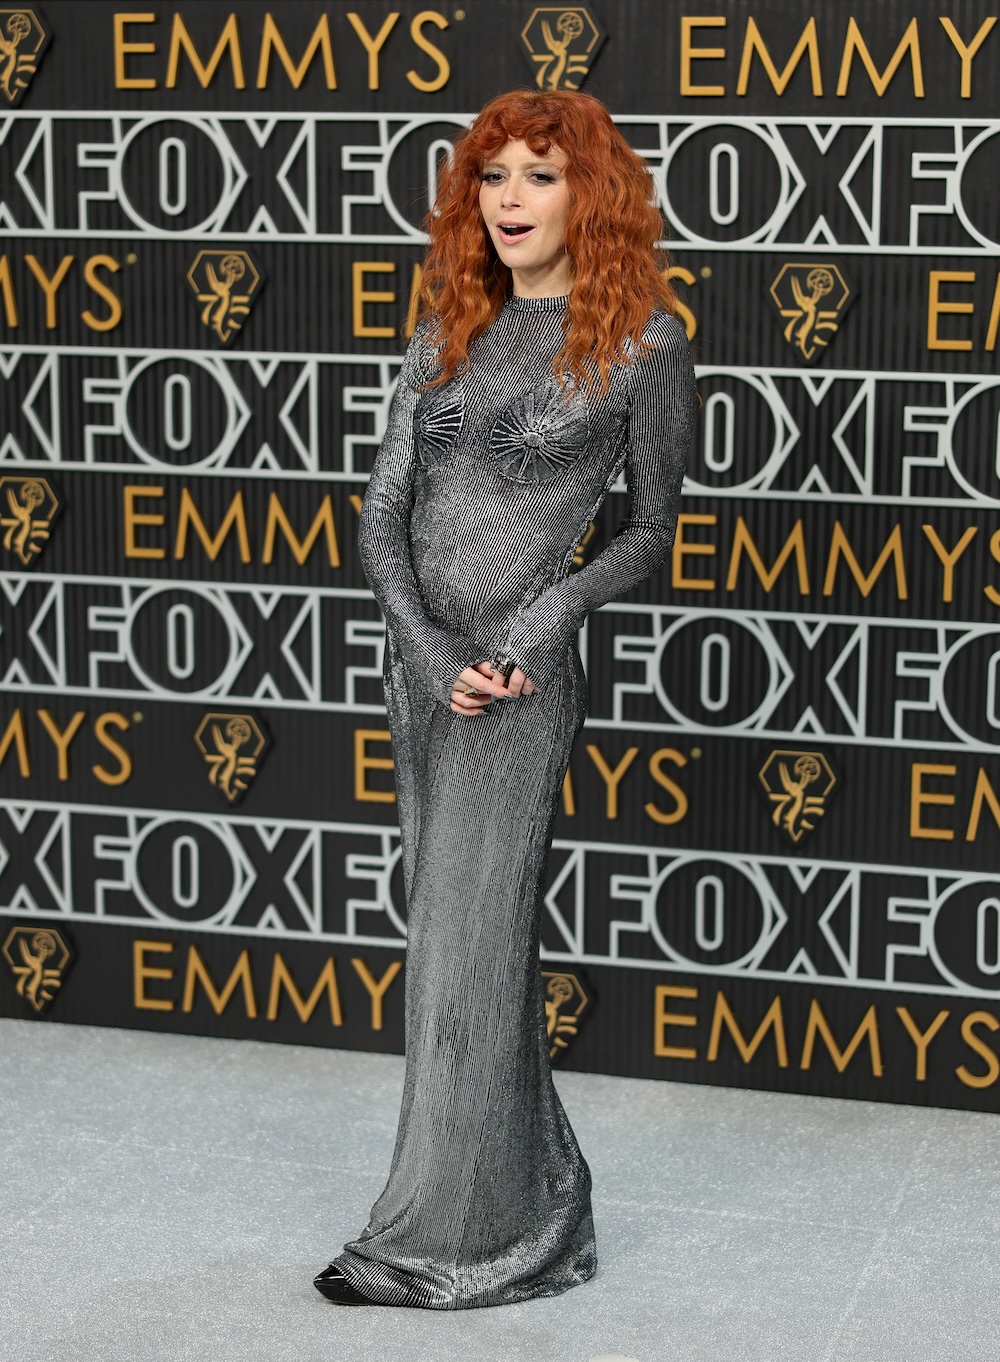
(491,177)
(545,179)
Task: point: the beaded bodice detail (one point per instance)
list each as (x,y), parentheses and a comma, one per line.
(485,484)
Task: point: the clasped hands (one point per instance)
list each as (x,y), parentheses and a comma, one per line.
(486,685)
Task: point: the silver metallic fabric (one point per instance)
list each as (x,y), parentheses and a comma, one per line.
(481,491)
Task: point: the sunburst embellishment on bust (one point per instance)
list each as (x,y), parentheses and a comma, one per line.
(437,421)
(541,434)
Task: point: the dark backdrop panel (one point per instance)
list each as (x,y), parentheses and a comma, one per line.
(775,858)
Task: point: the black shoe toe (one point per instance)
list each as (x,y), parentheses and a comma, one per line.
(332,1283)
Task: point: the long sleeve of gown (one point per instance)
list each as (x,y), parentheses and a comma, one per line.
(659,428)
(384,542)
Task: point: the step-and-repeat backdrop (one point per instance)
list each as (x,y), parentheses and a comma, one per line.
(775,864)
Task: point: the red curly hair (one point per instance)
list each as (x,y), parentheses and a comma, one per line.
(612,235)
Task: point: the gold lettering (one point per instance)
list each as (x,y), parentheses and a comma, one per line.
(271,40)
(840,545)
(684,548)
(753,42)
(323,521)
(772,1018)
(281,978)
(141,972)
(611,778)
(919,797)
(7,288)
(229,38)
(743,543)
(373,46)
(691,54)
(984,793)
(364,763)
(990,591)
(949,558)
(122,48)
(197,972)
(818,1025)
(189,516)
(14,733)
(61,739)
(978,1044)
(922,1039)
(104,291)
(133,518)
(113,720)
(361,296)
(967,53)
(429,16)
(683,312)
(376,987)
(994,323)
(662,1019)
(50,287)
(910,42)
(936,306)
(672,788)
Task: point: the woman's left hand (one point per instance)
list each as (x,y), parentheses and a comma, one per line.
(519,684)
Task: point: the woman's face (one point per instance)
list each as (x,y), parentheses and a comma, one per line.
(524,199)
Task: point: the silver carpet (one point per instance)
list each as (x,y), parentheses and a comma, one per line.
(166,1199)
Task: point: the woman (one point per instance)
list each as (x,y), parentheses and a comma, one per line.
(548,361)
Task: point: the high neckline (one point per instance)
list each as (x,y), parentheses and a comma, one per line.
(522,304)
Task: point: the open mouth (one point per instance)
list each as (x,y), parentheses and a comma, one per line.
(514,231)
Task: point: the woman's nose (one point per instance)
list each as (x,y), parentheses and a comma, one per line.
(511,196)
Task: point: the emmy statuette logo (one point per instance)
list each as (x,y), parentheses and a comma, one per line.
(28,507)
(225,283)
(38,957)
(23,39)
(232,745)
(561,43)
(811,299)
(566,1001)
(797,784)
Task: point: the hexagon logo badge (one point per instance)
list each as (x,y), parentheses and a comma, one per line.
(566,1001)
(28,506)
(561,43)
(787,779)
(811,299)
(225,283)
(38,958)
(233,747)
(24,36)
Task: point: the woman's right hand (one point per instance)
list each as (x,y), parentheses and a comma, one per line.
(476,686)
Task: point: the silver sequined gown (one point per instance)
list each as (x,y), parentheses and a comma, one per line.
(480,493)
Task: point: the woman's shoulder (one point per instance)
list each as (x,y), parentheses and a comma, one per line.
(665,351)
(664,358)
(663,331)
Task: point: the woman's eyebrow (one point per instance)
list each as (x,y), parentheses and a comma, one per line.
(529,165)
